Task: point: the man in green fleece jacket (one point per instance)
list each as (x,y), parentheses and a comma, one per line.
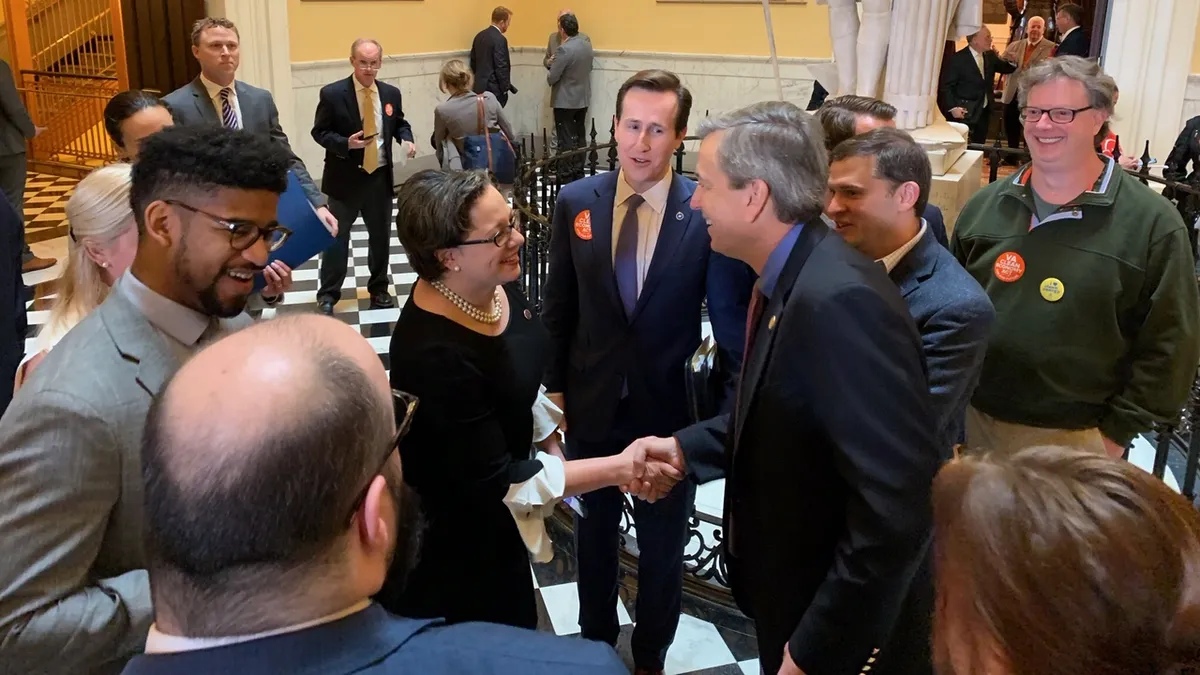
(1092,279)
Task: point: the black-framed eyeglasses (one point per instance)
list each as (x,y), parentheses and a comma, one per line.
(243,233)
(503,235)
(405,406)
(1057,115)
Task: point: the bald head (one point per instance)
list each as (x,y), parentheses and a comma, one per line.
(253,380)
(254,455)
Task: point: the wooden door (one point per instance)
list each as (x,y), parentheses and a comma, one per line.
(158,39)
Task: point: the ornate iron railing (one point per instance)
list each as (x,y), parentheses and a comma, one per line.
(535,193)
(71,108)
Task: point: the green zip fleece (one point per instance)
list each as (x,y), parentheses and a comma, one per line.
(1096,306)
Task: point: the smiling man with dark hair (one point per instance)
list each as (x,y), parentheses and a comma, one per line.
(74,596)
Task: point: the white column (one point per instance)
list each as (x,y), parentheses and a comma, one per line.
(266,55)
(1148,51)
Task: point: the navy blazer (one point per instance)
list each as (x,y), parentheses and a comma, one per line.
(954,316)
(595,347)
(828,461)
(937,224)
(373,641)
(338,118)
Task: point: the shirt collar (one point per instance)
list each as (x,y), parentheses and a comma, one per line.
(183,324)
(214,89)
(161,643)
(892,259)
(777,259)
(358,86)
(1064,35)
(974,53)
(656,196)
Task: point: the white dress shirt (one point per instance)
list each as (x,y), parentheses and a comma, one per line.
(161,643)
(978,60)
(372,91)
(214,93)
(650,218)
(1064,35)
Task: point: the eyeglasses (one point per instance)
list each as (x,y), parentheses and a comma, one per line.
(1057,115)
(405,405)
(502,236)
(243,233)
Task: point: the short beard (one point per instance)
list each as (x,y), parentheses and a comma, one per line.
(210,303)
(410,527)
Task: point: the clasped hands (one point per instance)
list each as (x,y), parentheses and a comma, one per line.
(655,465)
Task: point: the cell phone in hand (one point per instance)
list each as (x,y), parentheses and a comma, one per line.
(367,138)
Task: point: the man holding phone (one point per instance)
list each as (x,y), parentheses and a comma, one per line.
(357,119)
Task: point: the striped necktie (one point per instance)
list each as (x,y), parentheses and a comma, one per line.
(228,114)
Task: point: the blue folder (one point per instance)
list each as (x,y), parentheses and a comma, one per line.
(309,236)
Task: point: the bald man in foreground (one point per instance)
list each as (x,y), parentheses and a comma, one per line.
(272,519)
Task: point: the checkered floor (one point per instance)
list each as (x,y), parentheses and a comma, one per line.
(710,640)
(45,206)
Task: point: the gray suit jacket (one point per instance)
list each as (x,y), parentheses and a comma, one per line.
(190,104)
(553,43)
(458,116)
(954,316)
(570,75)
(15,125)
(1014,54)
(74,593)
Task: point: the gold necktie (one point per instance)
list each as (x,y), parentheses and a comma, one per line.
(371,152)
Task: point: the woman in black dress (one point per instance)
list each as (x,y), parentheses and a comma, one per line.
(468,345)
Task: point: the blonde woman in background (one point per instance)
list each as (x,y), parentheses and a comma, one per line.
(458,116)
(102,240)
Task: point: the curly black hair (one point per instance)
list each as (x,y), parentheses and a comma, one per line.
(184,160)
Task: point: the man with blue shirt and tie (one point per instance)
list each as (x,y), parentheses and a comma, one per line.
(630,267)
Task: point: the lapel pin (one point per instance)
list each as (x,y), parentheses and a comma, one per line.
(679,215)
(771,323)
(528,315)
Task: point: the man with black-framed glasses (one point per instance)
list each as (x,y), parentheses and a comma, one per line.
(74,596)
(268,532)
(1092,278)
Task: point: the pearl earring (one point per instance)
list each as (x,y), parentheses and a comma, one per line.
(457,268)
(104,265)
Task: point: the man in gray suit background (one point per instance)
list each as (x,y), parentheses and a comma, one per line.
(570,79)
(74,594)
(15,128)
(215,97)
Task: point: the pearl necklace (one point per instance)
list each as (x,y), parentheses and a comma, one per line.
(471,310)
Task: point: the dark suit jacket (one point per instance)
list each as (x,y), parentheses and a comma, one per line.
(595,347)
(190,104)
(937,224)
(829,457)
(964,86)
(15,125)
(13,322)
(1075,44)
(490,63)
(373,641)
(338,118)
(954,316)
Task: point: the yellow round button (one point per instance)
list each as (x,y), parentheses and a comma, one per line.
(1052,289)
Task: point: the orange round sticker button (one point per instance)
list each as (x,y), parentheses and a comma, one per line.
(583,225)
(1009,267)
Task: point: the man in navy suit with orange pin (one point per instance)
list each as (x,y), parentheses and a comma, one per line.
(630,267)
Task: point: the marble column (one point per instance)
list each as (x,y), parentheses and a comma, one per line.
(266,55)
(1148,50)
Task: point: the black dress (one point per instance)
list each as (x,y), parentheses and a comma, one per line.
(470,440)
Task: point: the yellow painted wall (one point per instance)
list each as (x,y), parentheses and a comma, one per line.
(1196,51)
(651,26)
(324,30)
